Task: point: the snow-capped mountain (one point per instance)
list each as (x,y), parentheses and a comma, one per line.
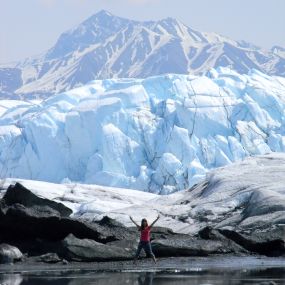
(160,134)
(279,51)
(106,46)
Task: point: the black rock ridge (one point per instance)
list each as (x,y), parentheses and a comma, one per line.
(43,228)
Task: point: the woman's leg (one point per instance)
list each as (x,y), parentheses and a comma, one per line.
(140,246)
(148,251)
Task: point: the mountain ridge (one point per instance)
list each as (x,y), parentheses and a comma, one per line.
(107,46)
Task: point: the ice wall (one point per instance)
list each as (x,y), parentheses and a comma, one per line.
(159,134)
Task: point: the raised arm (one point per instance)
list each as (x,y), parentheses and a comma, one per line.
(155,221)
(134,222)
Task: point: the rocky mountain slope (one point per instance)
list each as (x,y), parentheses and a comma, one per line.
(107,46)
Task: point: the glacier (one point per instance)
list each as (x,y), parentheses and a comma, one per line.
(159,134)
(245,196)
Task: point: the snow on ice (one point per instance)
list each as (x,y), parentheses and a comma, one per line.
(244,195)
(160,134)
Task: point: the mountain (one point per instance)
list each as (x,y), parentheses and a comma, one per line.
(279,51)
(160,134)
(106,46)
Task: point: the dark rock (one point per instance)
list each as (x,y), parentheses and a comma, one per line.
(189,246)
(9,254)
(107,221)
(130,245)
(18,194)
(161,233)
(209,233)
(114,228)
(49,258)
(39,229)
(270,242)
(33,248)
(261,204)
(90,250)
(43,220)
(22,223)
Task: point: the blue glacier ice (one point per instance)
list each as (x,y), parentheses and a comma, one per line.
(160,134)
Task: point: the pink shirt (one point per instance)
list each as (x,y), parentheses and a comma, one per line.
(145,234)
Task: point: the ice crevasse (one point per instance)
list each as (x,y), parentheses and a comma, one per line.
(159,134)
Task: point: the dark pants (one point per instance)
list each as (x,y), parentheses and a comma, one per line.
(146,246)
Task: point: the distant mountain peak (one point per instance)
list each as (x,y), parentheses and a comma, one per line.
(104,13)
(109,46)
(104,16)
(278,50)
(278,47)
(100,16)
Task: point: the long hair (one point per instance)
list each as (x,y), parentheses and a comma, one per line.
(142,224)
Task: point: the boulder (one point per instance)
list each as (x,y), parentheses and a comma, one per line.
(130,245)
(25,223)
(18,194)
(116,229)
(270,241)
(209,233)
(188,246)
(161,233)
(29,217)
(9,254)
(262,203)
(90,250)
(49,258)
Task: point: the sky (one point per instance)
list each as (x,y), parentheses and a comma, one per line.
(30,27)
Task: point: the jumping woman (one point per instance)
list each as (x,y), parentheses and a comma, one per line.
(144,243)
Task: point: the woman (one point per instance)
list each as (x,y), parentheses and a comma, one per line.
(145,238)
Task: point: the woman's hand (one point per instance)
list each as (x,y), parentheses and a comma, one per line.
(158,216)
(131,218)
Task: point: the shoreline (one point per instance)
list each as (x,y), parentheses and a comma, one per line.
(171,265)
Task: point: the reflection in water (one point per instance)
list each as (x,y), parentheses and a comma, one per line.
(210,277)
(146,278)
(11,279)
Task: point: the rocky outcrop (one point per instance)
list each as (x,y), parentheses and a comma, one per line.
(9,254)
(29,217)
(18,194)
(90,250)
(270,242)
(193,246)
(49,258)
(43,228)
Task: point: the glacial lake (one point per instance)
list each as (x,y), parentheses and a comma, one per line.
(202,271)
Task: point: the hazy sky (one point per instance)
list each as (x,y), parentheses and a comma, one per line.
(28,27)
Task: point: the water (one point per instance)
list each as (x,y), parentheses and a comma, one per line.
(203,271)
(265,276)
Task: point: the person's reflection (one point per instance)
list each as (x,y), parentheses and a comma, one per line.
(146,278)
(11,279)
